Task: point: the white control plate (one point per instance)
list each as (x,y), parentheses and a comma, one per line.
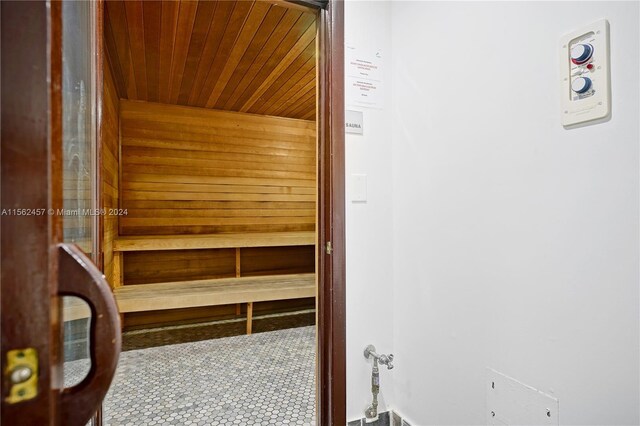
(585,79)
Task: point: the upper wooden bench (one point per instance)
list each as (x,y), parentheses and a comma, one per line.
(211,241)
(74,309)
(205,241)
(222,291)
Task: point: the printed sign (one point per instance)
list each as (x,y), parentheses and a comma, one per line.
(353,122)
(364,77)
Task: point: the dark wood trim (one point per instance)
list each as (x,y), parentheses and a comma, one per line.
(331,221)
(98,5)
(311,4)
(55,192)
(31,132)
(99,85)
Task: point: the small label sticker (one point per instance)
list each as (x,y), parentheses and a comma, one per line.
(353,122)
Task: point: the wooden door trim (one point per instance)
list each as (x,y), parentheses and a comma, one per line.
(331,217)
(98,81)
(31,155)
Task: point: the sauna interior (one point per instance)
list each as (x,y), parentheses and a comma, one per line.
(209,153)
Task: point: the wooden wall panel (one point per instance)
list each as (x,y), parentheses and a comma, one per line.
(110,169)
(193,170)
(226,55)
(188,167)
(277,260)
(178,265)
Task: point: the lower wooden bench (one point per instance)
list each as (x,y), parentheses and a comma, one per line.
(224,291)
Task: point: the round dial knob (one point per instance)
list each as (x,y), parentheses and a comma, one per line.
(581,84)
(581,53)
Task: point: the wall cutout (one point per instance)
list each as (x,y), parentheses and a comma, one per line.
(510,402)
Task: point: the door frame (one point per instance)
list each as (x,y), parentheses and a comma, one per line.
(32,141)
(331,248)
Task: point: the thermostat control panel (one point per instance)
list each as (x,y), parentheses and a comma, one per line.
(584,71)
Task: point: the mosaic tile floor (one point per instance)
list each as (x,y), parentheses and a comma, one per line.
(261,379)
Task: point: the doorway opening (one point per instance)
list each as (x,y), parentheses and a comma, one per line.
(208,183)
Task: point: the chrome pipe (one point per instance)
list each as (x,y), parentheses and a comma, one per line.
(370,351)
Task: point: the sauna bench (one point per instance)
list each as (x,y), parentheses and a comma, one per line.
(210,292)
(222,291)
(213,241)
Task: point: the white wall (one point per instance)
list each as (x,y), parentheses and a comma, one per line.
(516,241)
(369,234)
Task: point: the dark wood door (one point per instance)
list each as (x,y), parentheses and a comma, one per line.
(48,226)
(37,266)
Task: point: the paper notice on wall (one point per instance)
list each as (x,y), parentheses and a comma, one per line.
(363,70)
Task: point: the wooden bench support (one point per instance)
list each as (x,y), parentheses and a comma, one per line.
(249,316)
(117,269)
(238,305)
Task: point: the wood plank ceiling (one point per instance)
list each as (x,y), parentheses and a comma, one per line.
(249,56)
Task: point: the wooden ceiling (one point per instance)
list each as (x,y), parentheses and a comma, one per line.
(249,56)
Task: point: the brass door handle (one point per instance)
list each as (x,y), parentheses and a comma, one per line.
(78,276)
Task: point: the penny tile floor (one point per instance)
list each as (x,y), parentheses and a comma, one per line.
(262,379)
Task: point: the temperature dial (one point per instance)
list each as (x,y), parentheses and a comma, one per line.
(581,53)
(581,85)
